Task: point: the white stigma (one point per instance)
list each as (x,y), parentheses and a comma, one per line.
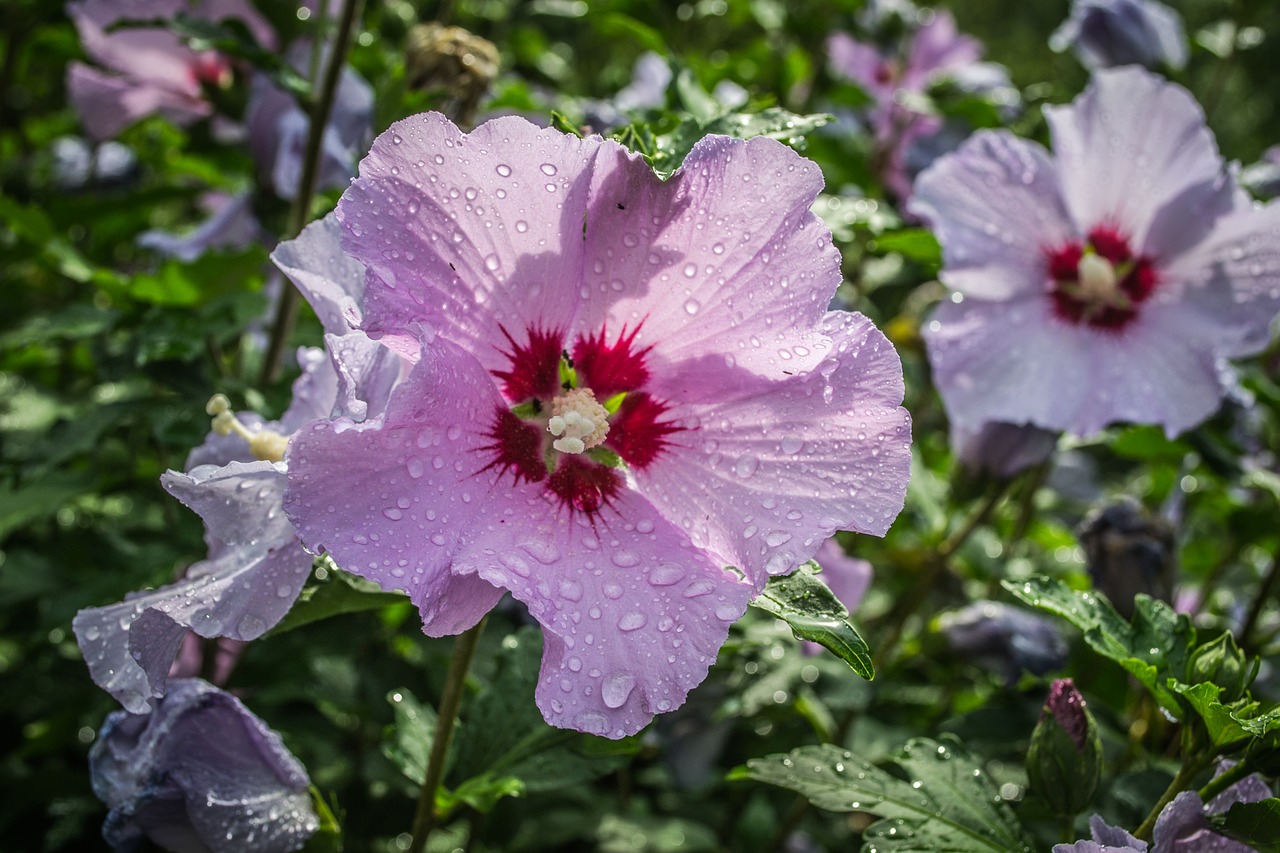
(265,444)
(1097,279)
(578,421)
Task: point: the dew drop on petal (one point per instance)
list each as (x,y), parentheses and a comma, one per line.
(631,621)
(616,689)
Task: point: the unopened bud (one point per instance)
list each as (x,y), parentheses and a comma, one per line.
(1221,662)
(1064,760)
(1129,552)
(458,64)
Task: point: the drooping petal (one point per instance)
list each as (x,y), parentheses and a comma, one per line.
(723,257)
(466,240)
(200,774)
(766,471)
(1133,144)
(395,499)
(996,205)
(254,573)
(632,614)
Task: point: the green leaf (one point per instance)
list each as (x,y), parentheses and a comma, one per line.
(814,613)
(213,273)
(773,122)
(1154,648)
(20,505)
(345,593)
(914,243)
(946,802)
(1255,824)
(1219,721)
(654,834)
(407,742)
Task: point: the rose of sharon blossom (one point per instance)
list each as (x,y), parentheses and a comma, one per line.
(148,69)
(935,51)
(200,774)
(1107,283)
(623,386)
(235,481)
(1105,33)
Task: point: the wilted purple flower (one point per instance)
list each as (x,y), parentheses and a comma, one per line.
(1106,33)
(200,774)
(278,129)
(152,70)
(1004,639)
(1002,450)
(256,566)
(906,138)
(1182,826)
(1108,284)
(623,386)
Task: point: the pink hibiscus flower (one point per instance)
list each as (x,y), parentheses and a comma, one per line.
(1108,282)
(623,386)
(151,69)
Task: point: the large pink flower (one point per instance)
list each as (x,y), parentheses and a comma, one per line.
(623,386)
(148,69)
(1108,282)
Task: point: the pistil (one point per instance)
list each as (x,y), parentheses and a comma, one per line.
(266,444)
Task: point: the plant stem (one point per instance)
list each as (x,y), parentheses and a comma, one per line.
(1224,780)
(450,700)
(287,310)
(1259,602)
(937,564)
(1180,783)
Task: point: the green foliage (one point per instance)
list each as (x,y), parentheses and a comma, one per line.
(813,612)
(943,800)
(1255,824)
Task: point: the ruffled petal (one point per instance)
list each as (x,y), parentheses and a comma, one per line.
(765,471)
(396,498)
(329,279)
(1016,362)
(724,257)
(1232,279)
(632,615)
(996,205)
(1131,145)
(465,232)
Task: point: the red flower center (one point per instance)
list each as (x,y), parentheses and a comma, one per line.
(1099,282)
(543,370)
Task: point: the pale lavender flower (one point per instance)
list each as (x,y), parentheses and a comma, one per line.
(1002,450)
(255,567)
(148,69)
(623,386)
(906,138)
(278,129)
(1004,639)
(200,774)
(231,225)
(1108,283)
(1182,826)
(1106,33)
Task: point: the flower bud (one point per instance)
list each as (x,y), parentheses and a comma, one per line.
(1222,663)
(1065,757)
(458,64)
(1129,552)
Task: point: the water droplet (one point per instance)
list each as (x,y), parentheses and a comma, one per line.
(393,514)
(631,621)
(666,574)
(616,689)
(746,466)
(504,170)
(625,559)
(547,169)
(692,307)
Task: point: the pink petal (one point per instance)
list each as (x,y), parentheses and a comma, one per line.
(768,470)
(466,240)
(1133,144)
(331,280)
(632,615)
(108,104)
(396,499)
(724,257)
(996,205)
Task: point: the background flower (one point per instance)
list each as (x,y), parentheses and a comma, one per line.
(1105,33)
